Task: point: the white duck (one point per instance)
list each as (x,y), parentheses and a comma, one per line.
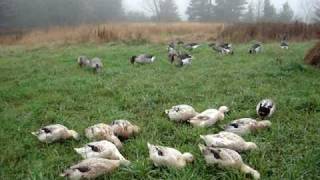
(169,157)
(91,168)
(228,140)
(265,108)
(181,113)
(209,117)
(101,149)
(227,158)
(55,132)
(246,126)
(102,132)
(124,129)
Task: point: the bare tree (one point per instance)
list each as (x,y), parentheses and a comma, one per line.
(306,7)
(153,7)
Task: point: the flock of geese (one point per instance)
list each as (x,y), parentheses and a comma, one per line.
(102,155)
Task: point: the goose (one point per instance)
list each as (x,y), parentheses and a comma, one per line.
(228,140)
(55,132)
(246,126)
(168,157)
(255,48)
(184,59)
(265,108)
(209,117)
(124,129)
(91,168)
(192,46)
(222,48)
(142,59)
(101,149)
(96,64)
(284,44)
(181,113)
(83,61)
(102,132)
(227,158)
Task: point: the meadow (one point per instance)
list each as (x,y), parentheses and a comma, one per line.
(44,85)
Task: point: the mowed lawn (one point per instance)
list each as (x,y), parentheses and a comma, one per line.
(41,86)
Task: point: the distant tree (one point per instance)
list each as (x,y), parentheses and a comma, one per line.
(269,11)
(229,11)
(316,15)
(249,16)
(286,13)
(168,11)
(200,10)
(259,9)
(153,7)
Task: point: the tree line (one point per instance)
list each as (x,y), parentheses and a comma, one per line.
(44,13)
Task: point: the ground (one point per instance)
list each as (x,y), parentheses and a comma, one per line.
(44,85)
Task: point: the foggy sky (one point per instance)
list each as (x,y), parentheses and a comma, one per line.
(137,5)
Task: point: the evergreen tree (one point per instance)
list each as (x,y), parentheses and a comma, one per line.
(200,10)
(249,16)
(286,13)
(229,11)
(168,11)
(269,11)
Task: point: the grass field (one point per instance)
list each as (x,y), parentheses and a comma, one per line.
(44,85)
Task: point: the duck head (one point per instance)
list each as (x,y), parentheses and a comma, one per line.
(133,59)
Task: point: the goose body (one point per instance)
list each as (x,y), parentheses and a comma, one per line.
(168,157)
(124,129)
(83,61)
(91,168)
(55,132)
(184,59)
(256,48)
(228,140)
(181,113)
(223,48)
(246,126)
(102,131)
(143,59)
(227,158)
(209,117)
(284,45)
(101,149)
(265,108)
(95,63)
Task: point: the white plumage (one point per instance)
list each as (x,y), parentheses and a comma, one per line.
(209,117)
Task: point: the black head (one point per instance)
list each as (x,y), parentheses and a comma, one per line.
(263,111)
(133,59)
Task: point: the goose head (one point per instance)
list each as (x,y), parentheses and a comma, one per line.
(133,59)
(75,173)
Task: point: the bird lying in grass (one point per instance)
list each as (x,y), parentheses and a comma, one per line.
(255,48)
(227,158)
(95,63)
(101,149)
(265,108)
(228,140)
(182,59)
(246,126)
(124,129)
(222,48)
(209,117)
(54,133)
(102,131)
(181,113)
(143,59)
(91,168)
(168,157)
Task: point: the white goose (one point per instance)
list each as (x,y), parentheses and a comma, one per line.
(228,140)
(102,132)
(101,149)
(246,126)
(55,132)
(168,157)
(181,113)
(209,117)
(91,168)
(266,108)
(124,129)
(227,158)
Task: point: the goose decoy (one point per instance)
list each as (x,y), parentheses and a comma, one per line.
(102,131)
(246,126)
(228,140)
(181,113)
(101,149)
(265,108)
(55,132)
(91,168)
(209,117)
(227,158)
(124,129)
(255,48)
(142,59)
(168,157)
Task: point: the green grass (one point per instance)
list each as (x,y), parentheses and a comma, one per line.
(40,86)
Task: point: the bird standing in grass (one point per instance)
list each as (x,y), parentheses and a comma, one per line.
(168,157)
(95,63)
(227,158)
(55,132)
